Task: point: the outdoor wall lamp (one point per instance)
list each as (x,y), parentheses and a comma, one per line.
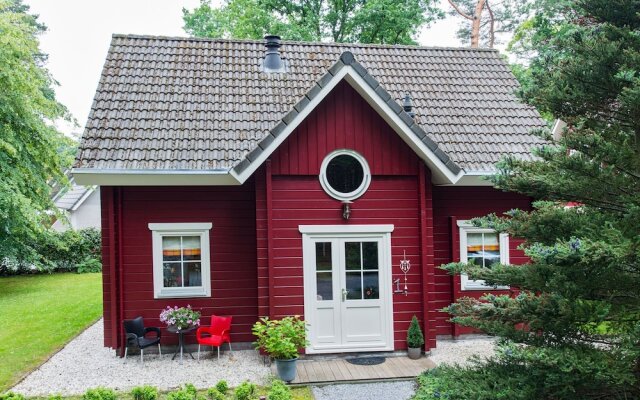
(346,209)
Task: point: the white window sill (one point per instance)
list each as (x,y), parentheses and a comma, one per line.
(181,294)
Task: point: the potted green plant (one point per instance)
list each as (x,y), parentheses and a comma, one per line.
(415,339)
(282,340)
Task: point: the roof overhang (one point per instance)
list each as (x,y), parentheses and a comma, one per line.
(127,177)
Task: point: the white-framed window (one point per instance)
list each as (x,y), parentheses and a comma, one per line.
(483,247)
(345,174)
(181,265)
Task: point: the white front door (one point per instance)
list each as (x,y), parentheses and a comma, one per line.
(347,275)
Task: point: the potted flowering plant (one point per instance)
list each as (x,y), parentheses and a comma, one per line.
(180,317)
(281,339)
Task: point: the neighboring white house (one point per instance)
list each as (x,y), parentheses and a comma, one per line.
(81,205)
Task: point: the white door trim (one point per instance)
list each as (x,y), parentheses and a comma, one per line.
(311,234)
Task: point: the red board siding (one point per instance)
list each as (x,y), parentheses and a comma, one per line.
(301,201)
(343,120)
(234,288)
(461,203)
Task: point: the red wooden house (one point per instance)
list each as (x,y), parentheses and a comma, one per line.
(295,181)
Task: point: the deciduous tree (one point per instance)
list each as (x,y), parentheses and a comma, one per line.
(358,21)
(29,143)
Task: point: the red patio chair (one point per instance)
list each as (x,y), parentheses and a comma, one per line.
(217,334)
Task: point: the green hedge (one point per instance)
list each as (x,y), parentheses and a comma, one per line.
(77,251)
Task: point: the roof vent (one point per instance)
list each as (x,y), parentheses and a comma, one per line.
(272,61)
(407,105)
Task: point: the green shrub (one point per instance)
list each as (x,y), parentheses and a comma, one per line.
(187,392)
(180,394)
(222,386)
(144,393)
(245,391)
(70,250)
(528,373)
(281,339)
(214,394)
(55,397)
(89,265)
(279,391)
(11,396)
(414,334)
(99,393)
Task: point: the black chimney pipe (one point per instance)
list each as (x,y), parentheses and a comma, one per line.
(272,60)
(407,105)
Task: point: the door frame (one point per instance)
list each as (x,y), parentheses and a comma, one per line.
(382,232)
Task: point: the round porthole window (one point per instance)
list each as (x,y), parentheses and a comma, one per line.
(345,175)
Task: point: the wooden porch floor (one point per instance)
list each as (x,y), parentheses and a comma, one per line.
(339,370)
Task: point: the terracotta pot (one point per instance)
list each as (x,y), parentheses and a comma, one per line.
(414,352)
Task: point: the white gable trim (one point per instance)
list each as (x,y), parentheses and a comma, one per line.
(304,113)
(440,173)
(82,199)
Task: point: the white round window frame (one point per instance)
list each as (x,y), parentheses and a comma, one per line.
(366,178)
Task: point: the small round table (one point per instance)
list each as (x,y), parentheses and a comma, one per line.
(180,333)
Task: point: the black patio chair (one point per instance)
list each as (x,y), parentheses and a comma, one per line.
(136,336)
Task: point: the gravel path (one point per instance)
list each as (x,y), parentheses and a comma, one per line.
(84,363)
(382,390)
(450,351)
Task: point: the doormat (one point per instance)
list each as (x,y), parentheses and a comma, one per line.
(366,360)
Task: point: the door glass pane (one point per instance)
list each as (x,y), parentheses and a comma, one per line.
(323,256)
(354,285)
(191,248)
(172,274)
(192,274)
(352,255)
(171,248)
(370,255)
(324,285)
(371,288)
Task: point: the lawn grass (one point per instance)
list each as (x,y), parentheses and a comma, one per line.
(41,313)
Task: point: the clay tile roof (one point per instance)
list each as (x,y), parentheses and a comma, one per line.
(203,104)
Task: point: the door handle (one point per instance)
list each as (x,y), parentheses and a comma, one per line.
(345,292)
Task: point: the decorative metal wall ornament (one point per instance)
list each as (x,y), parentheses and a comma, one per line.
(405,266)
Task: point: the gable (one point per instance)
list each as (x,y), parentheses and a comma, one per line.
(344,120)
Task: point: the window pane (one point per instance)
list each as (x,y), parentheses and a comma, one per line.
(491,249)
(344,173)
(474,246)
(371,289)
(324,283)
(171,248)
(172,275)
(192,274)
(323,256)
(354,286)
(352,255)
(370,255)
(191,248)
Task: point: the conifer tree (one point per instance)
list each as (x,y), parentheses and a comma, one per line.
(573,329)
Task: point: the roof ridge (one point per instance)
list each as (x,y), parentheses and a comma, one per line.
(302,43)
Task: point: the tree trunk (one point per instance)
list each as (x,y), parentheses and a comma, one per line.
(475,24)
